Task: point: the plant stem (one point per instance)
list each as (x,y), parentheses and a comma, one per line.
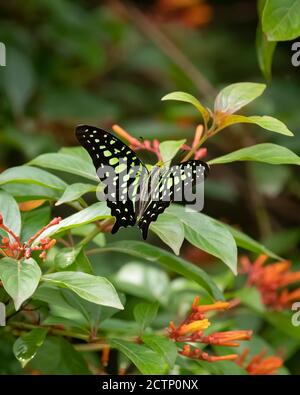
(90,346)
(89,237)
(167,46)
(61,332)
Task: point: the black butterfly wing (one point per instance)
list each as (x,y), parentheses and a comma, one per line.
(107,151)
(170,186)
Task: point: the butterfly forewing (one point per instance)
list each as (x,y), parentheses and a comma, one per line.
(117,167)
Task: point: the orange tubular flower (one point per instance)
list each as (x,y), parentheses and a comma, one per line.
(259,364)
(16,249)
(270,281)
(153,146)
(192,330)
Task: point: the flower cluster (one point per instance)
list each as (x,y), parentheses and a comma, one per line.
(191,330)
(260,364)
(272,281)
(153,146)
(14,248)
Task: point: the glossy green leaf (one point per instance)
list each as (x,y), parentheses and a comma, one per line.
(146,360)
(92,213)
(66,257)
(74,192)
(25,192)
(246,242)
(73,259)
(208,234)
(143,281)
(168,150)
(186,97)
(67,163)
(163,346)
(58,356)
(34,220)
(61,306)
(265,122)
(265,152)
(92,288)
(26,346)
(145,313)
(178,265)
(20,278)
(10,212)
(265,51)
(236,96)
(31,175)
(281,20)
(170,231)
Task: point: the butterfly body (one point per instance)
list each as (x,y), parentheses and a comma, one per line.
(135,195)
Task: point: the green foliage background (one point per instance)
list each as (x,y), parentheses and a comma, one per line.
(71,62)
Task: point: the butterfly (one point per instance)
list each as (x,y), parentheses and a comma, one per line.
(134,194)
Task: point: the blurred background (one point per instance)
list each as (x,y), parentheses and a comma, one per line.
(103,62)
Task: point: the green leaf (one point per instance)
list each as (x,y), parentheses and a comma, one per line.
(66,257)
(20,278)
(34,220)
(154,254)
(168,150)
(25,192)
(265,51)
(146,360)
(246,242)
(61,305)
(145,313)
(19,79)
(208,234)
(10,212)
(26,346)
(265,122)
(186,97)
(73,259)
(74,192)
(281,20)
(31,175)
(57,356)
(265,152)
(92,213)
(236,96)
(95,289)
(163,346)
(67,163)
(170,231)
(143,281)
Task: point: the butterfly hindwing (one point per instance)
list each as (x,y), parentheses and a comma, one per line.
(170,186)
(107,150)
